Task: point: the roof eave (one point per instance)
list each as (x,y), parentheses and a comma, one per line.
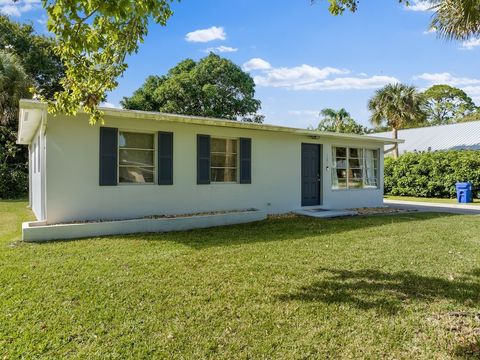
(148,115)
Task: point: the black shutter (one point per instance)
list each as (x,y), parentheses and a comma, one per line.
(108,156)
(245,161)
(165,158)
(203,159)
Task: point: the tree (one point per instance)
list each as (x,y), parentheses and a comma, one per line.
(398,106)
(212,87)
(457,19)
(94,38)
(14,85)
(339,121)
(453,19)
(36,54)
(445,104)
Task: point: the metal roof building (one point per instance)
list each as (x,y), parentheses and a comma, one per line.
(461,136)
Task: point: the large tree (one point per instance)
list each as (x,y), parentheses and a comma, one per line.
(212,87)
(339,121)
(36,54)
(445,104)
(453,19)
(94,38)
(14,85)
(398,106)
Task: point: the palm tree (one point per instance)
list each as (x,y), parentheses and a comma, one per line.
(398,106)
(456,19)
(333,119)
(14,85)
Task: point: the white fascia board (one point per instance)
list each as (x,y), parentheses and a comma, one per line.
(157,116)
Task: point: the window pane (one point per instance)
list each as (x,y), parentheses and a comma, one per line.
(355,184)
(223,175)
(355,153)
(355,163)
(340,163)
(371,168)
(136,157)
(340,152)
(223,160)
(136,175)
(356,174)
(339,179)
(136,140)
(223,146)
(371,182)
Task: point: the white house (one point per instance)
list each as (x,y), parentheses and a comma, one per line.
(140,164)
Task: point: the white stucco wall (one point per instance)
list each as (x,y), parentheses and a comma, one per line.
(72,169)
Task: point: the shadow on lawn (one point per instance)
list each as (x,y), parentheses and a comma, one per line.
(387,292)
(289,228)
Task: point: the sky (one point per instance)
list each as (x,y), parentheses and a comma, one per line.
(302,58)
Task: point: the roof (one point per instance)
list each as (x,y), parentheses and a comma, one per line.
(33,114)
(461,136)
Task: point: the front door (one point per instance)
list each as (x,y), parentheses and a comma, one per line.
(311,174)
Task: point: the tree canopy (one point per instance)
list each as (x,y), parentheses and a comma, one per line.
(212,87)
(398,106)
(14,85)
(445,104)
(36,55)
(94,38)
(339,121)
(453,19)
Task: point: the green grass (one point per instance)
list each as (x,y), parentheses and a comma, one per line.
(285,288)
(432,200)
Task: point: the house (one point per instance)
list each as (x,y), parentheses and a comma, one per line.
(140,164)
(461,136)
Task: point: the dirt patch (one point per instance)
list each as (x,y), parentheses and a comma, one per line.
(380,210)
(465,327)
(161,216)
(289,215)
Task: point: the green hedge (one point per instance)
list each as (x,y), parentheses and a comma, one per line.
(431,174)
(13,181)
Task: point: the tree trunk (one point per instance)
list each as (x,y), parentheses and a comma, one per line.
(395,146)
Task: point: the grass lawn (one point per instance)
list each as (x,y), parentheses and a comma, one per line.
(398,287)
(432,200)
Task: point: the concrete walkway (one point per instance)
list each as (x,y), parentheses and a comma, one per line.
(435,207)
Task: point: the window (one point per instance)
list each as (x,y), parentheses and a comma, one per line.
(38,154)
(354,168)
(223,160)
(136,158)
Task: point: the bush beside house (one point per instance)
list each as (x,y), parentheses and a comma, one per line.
(431,174)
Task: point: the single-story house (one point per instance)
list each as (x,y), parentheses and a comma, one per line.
(140,164)
(461,136)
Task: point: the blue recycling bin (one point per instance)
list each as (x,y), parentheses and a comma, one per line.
(464,192)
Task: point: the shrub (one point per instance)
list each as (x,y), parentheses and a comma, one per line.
(13,181)
(431,174)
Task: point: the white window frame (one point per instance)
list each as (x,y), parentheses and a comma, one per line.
(347,160)
(237,165)
(154,157)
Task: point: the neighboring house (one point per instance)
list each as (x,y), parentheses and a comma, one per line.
(461,136)
(140,164)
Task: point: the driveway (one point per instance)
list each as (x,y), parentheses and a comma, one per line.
(435,207)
